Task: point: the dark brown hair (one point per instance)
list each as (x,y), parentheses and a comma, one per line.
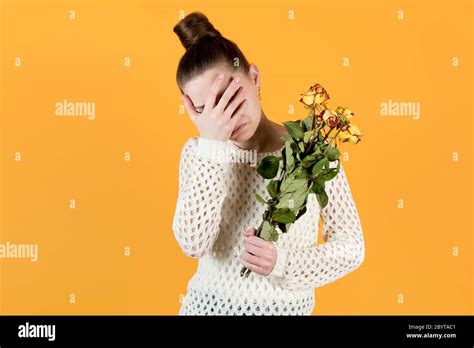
(205,48)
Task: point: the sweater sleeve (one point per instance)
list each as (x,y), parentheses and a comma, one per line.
(342,252)
(203,170)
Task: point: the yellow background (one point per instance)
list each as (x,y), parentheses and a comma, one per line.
(409,251)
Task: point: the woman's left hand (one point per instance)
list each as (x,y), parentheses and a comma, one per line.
(259,255)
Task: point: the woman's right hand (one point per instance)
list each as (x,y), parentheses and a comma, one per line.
(217,122)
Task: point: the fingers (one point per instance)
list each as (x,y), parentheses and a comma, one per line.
(257,241)
(259,255)
(188,105)
(233,87)
(236,104)
(257,251)
(212,95)
(249,232)
(256,261)
(253,268)
(237,114)
(251,238)
(265,252)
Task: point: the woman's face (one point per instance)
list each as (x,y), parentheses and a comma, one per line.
(198,88)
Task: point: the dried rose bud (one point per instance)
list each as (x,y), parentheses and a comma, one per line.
(315,95)
(344,112)
(330,117)
(352,134)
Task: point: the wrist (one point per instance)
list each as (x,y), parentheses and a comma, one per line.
(281,261)
(213,149)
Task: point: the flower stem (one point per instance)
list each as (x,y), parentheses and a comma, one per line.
(327,134)
(313,137)
(329,145)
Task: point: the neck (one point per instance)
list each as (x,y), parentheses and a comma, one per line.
(266,137)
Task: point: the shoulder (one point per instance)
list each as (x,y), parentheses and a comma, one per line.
(189,145)
(188,150)
(191,142)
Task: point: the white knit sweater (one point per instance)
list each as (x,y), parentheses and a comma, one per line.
(216,203)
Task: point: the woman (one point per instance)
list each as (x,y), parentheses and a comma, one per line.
(216,212)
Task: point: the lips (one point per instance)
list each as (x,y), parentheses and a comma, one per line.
(238,129)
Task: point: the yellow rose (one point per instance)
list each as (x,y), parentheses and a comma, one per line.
(315,95)
(352,134)
(346,113)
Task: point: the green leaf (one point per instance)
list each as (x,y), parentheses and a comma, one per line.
(272,188)
(294,129)
(275,235)
(301,212)
(291,184)
(267,231)
(319,166)
(332,153)
(317,150)
(301,146)
(286,182)
(322,199)
(293,200)
(308,161)
(268,168)
(327,166)
(307,122)
(318,185)
(331,173)
(307,136)
(300,173)
(260,198)
(290,161)
(284,216)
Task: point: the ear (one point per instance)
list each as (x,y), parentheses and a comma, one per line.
(254,75)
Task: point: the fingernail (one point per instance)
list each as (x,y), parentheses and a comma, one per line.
(237,79)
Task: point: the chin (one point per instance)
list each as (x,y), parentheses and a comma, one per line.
(245,133)
(242,136)
(239,137)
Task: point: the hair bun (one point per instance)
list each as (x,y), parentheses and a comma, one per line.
(194,27)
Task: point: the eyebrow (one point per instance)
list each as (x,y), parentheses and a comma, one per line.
(218,94)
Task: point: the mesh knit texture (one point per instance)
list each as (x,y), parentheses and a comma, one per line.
(216,203)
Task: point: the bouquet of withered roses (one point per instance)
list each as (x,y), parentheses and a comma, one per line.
(305,163)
